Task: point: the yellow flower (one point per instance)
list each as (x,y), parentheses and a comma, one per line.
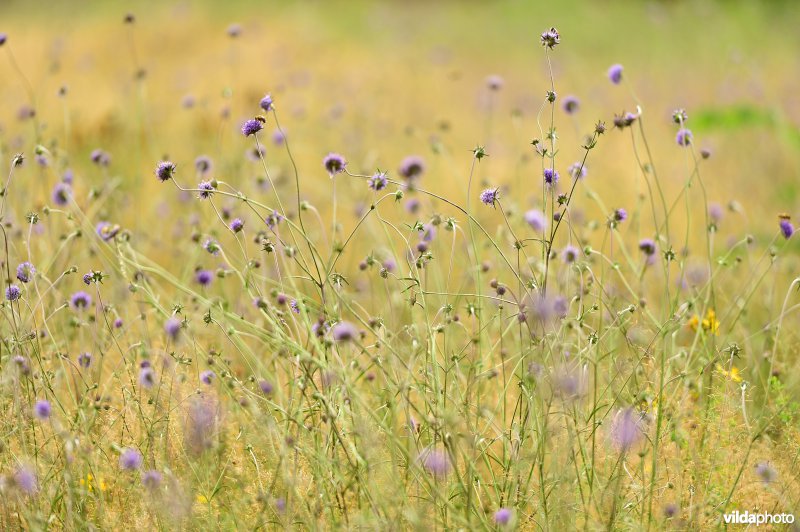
(90,484)
(709,324)
(202,499)
(733,374)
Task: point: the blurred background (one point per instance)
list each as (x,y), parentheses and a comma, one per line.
(377,81)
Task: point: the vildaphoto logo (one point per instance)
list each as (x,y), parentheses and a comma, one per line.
(749,518)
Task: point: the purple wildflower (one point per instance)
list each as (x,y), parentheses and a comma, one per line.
(278,137)
(85,360)
(3,38)
(571,104)
(25,272)
(165,170)
(647,246)
(212,246)
(620,215)
(118,323)
(412,167)
(577,170)
(151,479)
(494,82)
(24,477)
(251,127)
(206,189)
(172,327)
(273,219)
(550,176)
(489,196)
(551,38)
(378,181)
(715,212)
(684,137)
(334,164)
(502,516)
(202,164)
(535,218)
(266,103)
(237,225)
(42,410)
(787,229)
(234,30)
(207,376)
(204,277)
(61,193)
(435,462)
(130,459)
(626,429)
(344,331)
(766,472)
(107,230)
(265,386)
(615,74)
(201,425)
(68,177)
(569,254)
(80,300)
(295,306)
(412,205)
(147,377)
(100,158)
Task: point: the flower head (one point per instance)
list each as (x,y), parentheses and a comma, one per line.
(265,387)
(251,127)
(626,429)
(13,292)
(107,230)
(489,196)
(684,137)
(550,176)
(766,472)
(61,193)
(344,331)
(570,104)
(411,167)
(24,477)
(202,164)
(130,459)
(494,82)
(85,360)
(787,229)
(569,254)
(151,479)
(536,219)
(206,189)
(147,377)
(207,377)
(266,102)
(620,215)
(204,277)
(100,158)
(378,181)
(80,300)
(334,164)
(577,170)
(550,38)
(435,462)
(647,246)
(503,516)
(165,170)
(42,410)
(25,272)
(237,225)
(173,327)
(615,74)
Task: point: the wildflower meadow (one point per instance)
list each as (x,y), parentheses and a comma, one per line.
(360,265)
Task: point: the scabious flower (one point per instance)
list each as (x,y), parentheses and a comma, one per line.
(502,516)
(684,137)
(489,196)
(494,82)
(536,219)
(24,478)
(202,164)
(107,230)
(42,410)
(3,38)
(266,103)
(647,246)
(265,387)
(151,479)
(715,212)
(201,425)
(237,225)
(85,360)
(570,104)
(411,167)
(165,170)
(61,193)
(615,74)
(100,158)
(172,327)
(344,331)
(787,229)
(118,323)
(334,164)
(766,472)
(435,462)
(204,277)
(25,272)
(207,377)
(212,246)
(626,429)
(295,306)
(620,215)
(206,189)
(251,127)
(80,300)
(147,377)
(550,38)
(577,170)
(278,137)
(569,254)
(130,459)
(68,177)
(378,181)
(550,176)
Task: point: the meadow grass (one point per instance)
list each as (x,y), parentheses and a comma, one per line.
(414,287)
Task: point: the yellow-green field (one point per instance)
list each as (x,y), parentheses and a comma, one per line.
(276,342)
